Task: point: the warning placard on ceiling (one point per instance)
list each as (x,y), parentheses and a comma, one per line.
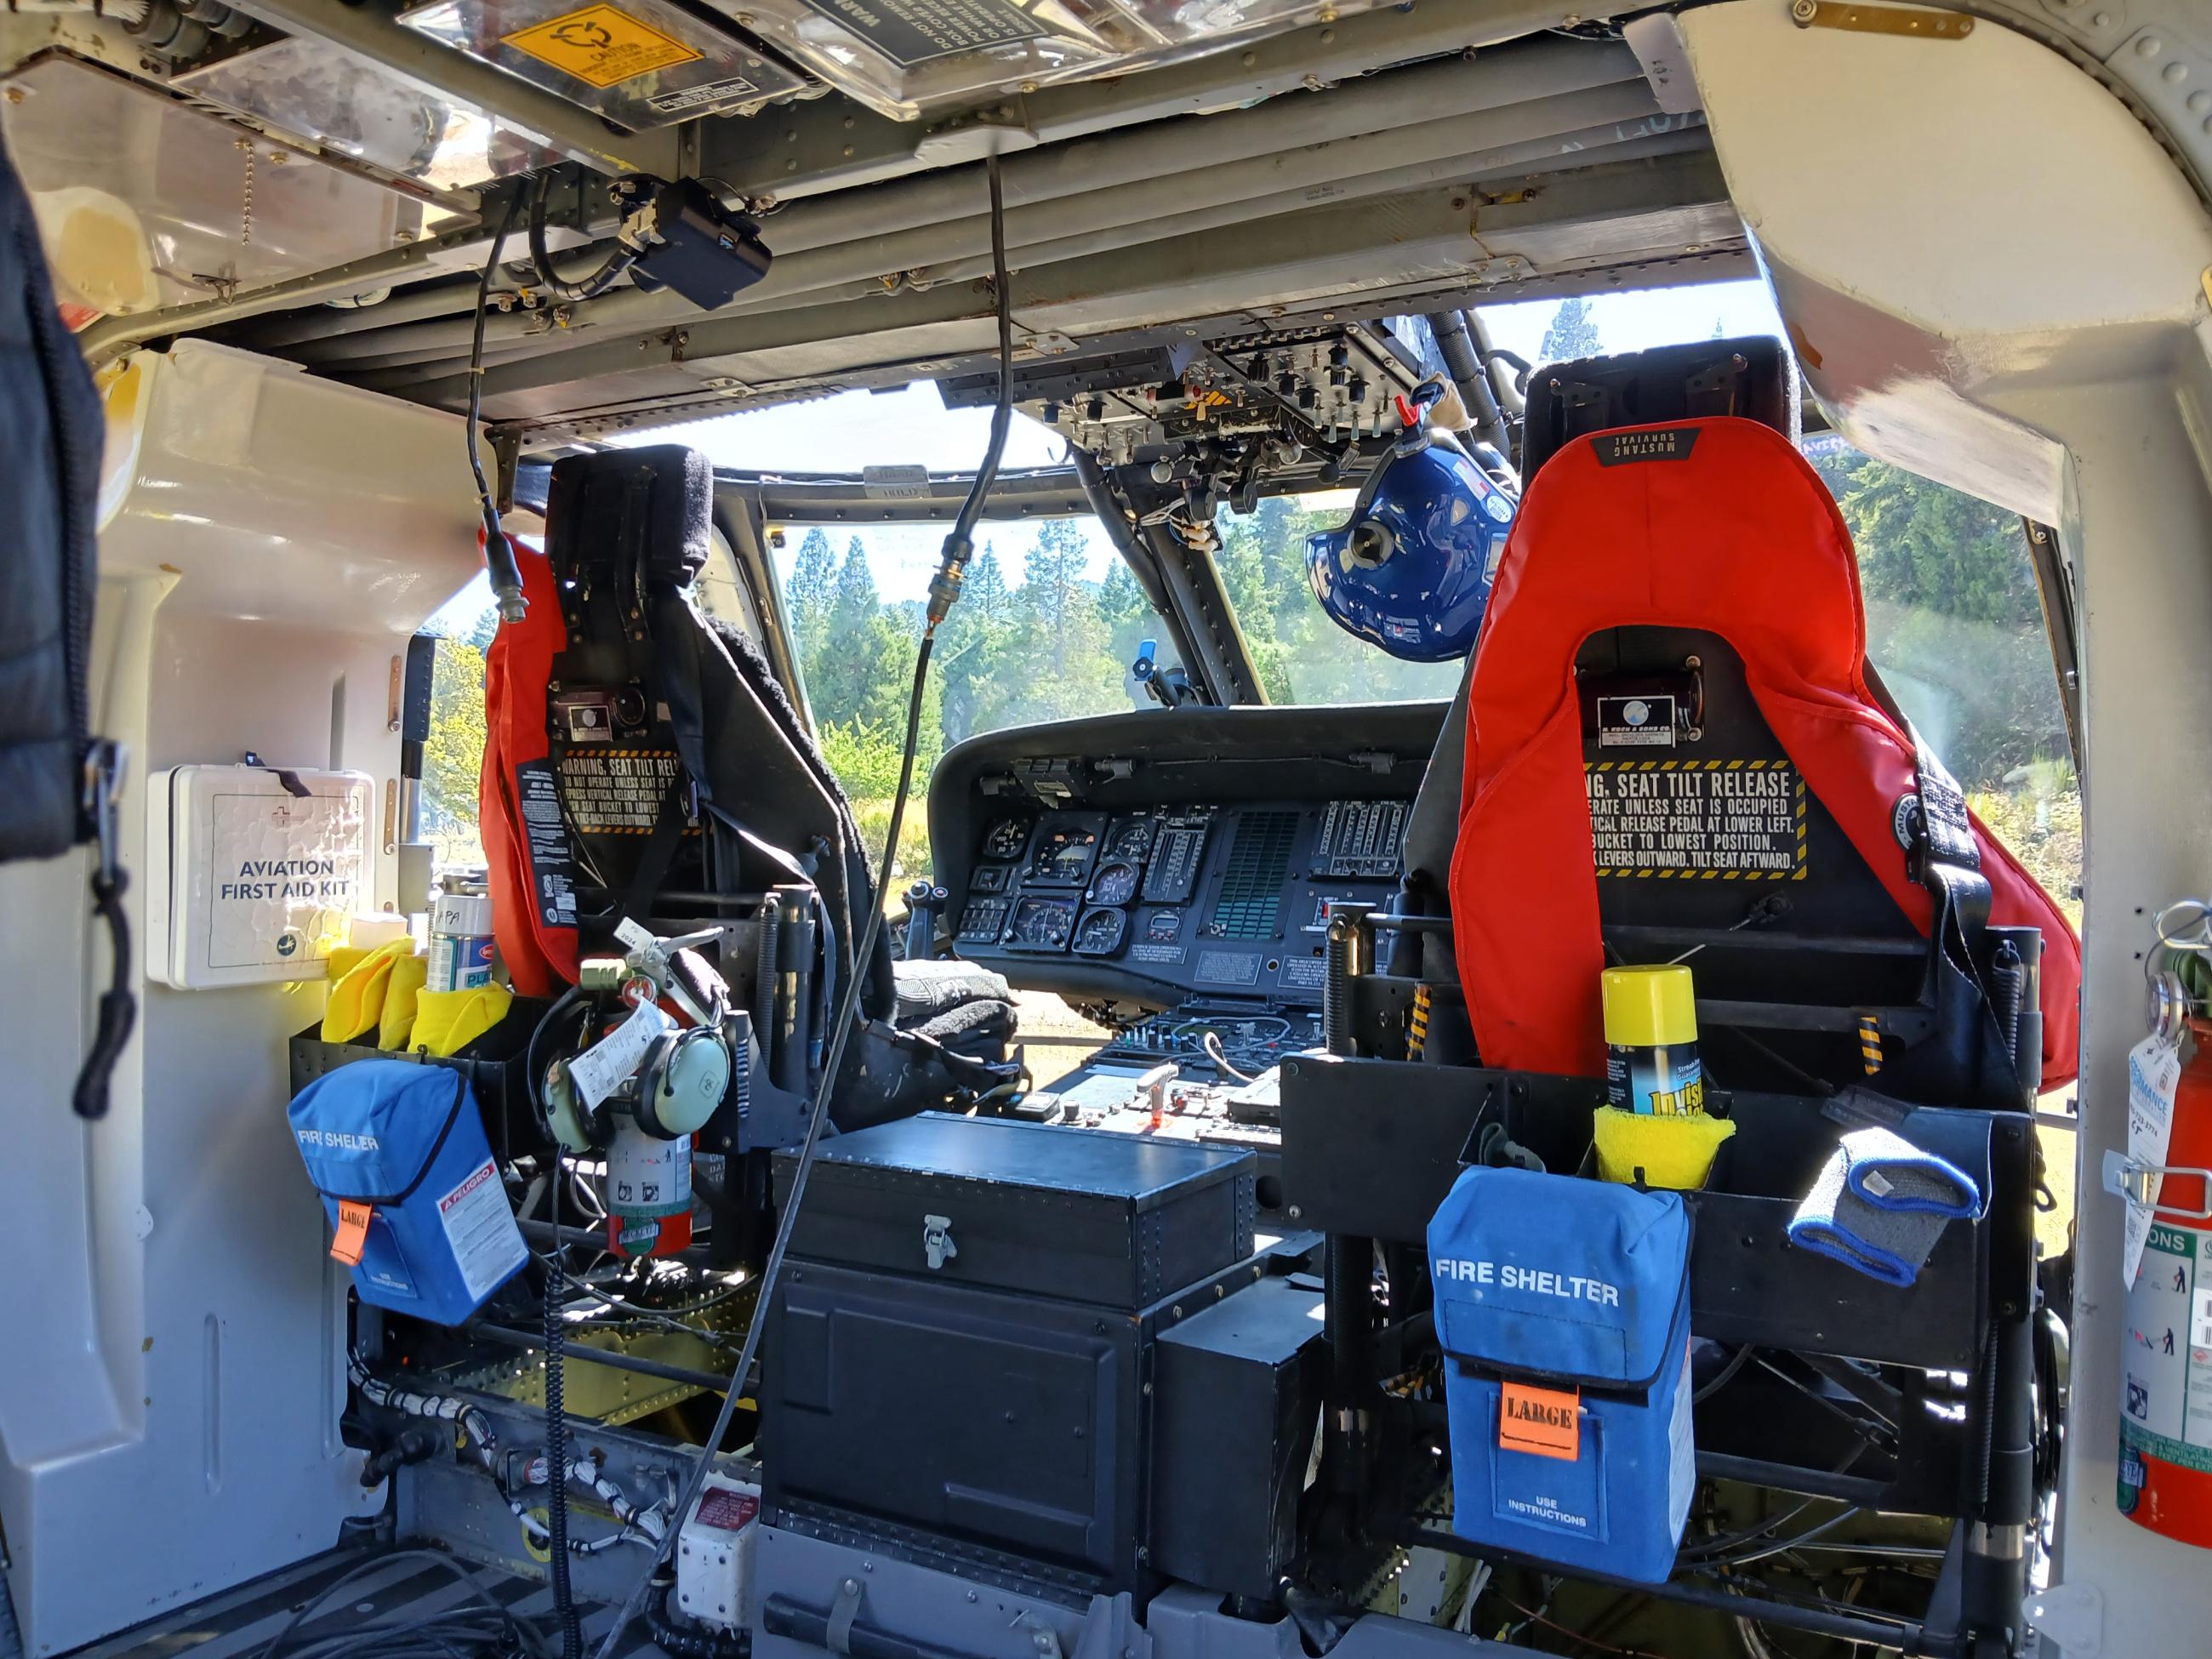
(600,46)
(911,31)
(1712,820)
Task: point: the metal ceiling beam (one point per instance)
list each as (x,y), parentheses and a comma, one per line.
(1429,240)
(381,38)
(804,149)
(827,498)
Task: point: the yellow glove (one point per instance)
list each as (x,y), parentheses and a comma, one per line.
(356,1000)
(409,975)
(446,1021)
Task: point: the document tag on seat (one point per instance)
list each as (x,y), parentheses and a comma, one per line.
(1542,1422)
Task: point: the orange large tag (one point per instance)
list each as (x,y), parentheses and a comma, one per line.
(1543,1422)
(352,1231)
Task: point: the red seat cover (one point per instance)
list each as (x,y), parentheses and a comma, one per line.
(1724,527)
(528,877)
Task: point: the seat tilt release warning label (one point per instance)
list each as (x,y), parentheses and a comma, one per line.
(1739,820)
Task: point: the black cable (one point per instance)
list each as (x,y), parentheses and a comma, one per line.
(1002,411)
(960,541)
(557,1442)
(498,552)
(1720,1380)
(944,590)
(683,1643)
(541,261)
(475,1625)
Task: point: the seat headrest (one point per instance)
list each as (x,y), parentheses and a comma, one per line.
(652,507)
(1752,376)
(1716,524)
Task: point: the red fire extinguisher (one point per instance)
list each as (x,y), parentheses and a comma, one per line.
(2166,1384)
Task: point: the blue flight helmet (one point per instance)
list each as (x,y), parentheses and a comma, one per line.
(1409,569)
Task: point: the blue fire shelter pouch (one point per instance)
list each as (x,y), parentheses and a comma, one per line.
(1563,1309)
(397,1152)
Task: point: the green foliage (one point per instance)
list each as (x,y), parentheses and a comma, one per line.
(1953,620)
(453,758)
(1572,333)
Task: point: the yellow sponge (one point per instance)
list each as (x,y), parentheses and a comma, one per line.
(1673,1152)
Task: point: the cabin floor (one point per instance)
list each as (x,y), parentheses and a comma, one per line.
(241,1623)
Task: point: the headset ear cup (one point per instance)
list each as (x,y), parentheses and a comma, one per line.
(652,1075)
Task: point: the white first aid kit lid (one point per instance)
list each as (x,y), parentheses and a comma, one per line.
(254,872)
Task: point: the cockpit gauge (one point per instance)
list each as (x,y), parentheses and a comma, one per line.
(1162,926)
(1006,838)
(1173,872)
(1041,924)
(1130,839)
(1115,884)
(1063,851)
(1100,932)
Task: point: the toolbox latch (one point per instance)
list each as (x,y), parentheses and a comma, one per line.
(937,1245)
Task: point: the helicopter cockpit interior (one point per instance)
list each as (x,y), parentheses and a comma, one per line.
(1497,1004)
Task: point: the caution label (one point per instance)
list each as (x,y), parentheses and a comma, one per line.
(616,791)
(910,32)
(552,876)
(600,46)
(1697,820)
(2166,1385)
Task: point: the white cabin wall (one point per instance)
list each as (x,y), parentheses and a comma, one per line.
(170,1393)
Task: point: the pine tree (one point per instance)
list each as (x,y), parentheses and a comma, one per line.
(1572,333)
(806,594)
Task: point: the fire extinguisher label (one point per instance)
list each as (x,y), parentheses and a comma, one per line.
(2166,1376)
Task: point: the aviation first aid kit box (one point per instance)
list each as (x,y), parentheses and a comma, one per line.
(1563,1309)
(397,1152)
(253,872)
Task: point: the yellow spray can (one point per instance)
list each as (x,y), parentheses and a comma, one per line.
(1652,1067)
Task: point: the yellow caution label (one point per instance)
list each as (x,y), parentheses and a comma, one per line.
(600,46)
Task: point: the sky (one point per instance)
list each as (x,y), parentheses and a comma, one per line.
(856,428)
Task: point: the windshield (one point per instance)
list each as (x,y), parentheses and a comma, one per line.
(1049,620)
(1301,656)
(1955,627)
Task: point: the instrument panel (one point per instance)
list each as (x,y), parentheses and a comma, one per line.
(1199,899)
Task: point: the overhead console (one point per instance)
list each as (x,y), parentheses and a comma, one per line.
(1154,859)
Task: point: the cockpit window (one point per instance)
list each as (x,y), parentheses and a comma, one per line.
(1047,624)
(1956,629)
(1304,657)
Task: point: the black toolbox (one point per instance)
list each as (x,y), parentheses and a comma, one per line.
(1118,1221)
(960,1350)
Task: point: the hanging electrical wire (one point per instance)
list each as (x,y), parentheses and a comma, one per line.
(628,244)
(498,552)
(944,592)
